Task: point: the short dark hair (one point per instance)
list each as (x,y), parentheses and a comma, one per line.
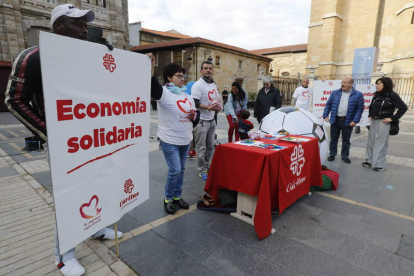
(245,114)
(170,70)
(388,84)
(206,62)
(241,94)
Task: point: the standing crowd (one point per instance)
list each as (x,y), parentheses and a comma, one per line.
(184,117)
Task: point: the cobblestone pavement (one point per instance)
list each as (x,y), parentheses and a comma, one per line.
(366,227)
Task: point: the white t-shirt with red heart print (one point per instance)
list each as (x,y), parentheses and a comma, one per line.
(303,96)
(174,127)
(206,93)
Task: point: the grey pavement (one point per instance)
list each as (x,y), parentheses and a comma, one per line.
(366,227)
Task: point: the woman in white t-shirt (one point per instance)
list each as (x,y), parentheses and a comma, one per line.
(176,116)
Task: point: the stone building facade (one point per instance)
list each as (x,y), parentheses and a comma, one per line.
(142,36)
(287,61)
(337,27)
(230,63)
(21,19)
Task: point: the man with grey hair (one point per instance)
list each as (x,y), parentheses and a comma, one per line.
(268,99)
(345,106)
(24,98)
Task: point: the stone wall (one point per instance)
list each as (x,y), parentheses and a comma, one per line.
(291,63)
(18,16)
(337,27)
(224,74)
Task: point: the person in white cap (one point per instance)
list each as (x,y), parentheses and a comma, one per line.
(24,98)
(268,99)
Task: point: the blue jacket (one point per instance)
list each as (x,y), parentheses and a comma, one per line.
(355,106)
(231,105)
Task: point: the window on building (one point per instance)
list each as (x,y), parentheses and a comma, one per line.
(99,3)
(258,67)
(217,60)
(240,64)
(33,35)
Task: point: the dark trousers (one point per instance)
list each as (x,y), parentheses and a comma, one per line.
(336,129)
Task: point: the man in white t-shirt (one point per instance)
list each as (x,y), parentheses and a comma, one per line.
(204,92)
(302,95)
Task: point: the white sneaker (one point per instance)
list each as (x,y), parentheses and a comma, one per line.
(108,234)
(71,268)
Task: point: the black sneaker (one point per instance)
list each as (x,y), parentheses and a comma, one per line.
(181,203)
(331,158)
(366,165)
(346,160)
(379,169)
(169,207)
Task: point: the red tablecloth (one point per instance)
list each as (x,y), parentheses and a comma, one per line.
(278,178)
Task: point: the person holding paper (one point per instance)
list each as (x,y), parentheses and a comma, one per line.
(233,108)
(24,98)
(176,119)
(268,99)
(207,101)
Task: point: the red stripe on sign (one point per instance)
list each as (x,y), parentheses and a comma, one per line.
(97,158)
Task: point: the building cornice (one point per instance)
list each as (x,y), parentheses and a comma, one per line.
(406,7)
(315,24)
(332,14)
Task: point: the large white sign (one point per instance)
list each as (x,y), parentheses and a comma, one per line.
(97,113)
(368,90)
(322,90)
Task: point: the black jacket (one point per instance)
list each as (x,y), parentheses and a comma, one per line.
(24,94)
(264,102)
(384,105)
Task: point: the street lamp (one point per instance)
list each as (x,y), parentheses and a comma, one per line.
(207,52)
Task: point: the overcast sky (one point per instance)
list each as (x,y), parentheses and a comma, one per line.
(249,24)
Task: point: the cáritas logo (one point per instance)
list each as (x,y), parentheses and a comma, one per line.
(88,211)
(128,189)
(109,63)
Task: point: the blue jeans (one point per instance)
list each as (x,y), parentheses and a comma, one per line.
(336,129)
(175,156)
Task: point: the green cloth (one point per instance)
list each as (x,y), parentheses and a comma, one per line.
(327,185)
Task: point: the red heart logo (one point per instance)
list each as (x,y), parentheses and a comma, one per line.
(211,92)
(183,102)
(304,93)
(98,210)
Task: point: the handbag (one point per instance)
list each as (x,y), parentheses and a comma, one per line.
(395,127)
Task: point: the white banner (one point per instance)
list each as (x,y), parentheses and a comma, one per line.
(97,113)
(368,90)
(322,90)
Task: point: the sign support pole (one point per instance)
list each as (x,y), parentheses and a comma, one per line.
(116,240)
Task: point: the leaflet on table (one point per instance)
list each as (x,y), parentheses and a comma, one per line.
(259,144)
(294,139)
(269,146)
(248,142)
(273,137)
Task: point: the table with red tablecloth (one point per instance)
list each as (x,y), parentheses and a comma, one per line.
(277,178)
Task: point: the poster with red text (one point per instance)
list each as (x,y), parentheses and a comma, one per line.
(97,113)
(368,91)
(321,92)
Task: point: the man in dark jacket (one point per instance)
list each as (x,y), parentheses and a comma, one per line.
(346,106)
(267,98)
(24,98)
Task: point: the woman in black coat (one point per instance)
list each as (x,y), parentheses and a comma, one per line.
(381,113)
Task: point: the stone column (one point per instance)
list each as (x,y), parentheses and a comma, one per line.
(332,23)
